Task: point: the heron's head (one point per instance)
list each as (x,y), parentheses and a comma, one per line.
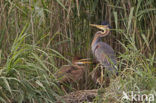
(105,27)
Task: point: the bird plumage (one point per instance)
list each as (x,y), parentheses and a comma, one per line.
(73,72)
(68,73)
(103,53)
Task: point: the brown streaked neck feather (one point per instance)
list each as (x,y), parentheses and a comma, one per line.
(99,35)
(95,41)
(96,38)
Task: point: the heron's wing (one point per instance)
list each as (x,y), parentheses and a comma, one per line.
(105,55)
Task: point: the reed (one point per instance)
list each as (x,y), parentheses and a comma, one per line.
(38,36)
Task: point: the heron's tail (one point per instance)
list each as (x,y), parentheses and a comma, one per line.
(112,70)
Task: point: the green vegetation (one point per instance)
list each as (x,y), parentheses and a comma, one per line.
(38,36)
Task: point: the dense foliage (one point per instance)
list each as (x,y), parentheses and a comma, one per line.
(38,36)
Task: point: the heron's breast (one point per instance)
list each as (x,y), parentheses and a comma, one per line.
(103,51)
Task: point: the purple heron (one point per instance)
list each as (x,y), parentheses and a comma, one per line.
(103,53)
(73,72)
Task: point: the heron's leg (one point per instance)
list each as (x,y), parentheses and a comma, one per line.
(62,87)
(78,86)
(101,75)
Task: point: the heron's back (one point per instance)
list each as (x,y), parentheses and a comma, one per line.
(105,55)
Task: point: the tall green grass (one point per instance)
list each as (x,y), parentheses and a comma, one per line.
(38,36)
(26,77)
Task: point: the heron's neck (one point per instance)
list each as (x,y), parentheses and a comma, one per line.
(95,41)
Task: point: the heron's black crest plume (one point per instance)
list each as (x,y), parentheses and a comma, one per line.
(104,23)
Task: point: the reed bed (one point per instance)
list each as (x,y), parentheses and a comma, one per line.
(39,36)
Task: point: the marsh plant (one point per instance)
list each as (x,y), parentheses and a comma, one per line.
(38,36)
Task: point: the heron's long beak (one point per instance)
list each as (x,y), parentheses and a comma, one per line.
(102,27)
(84,61)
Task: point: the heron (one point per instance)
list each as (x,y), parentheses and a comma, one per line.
(102,52)
(74,72)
